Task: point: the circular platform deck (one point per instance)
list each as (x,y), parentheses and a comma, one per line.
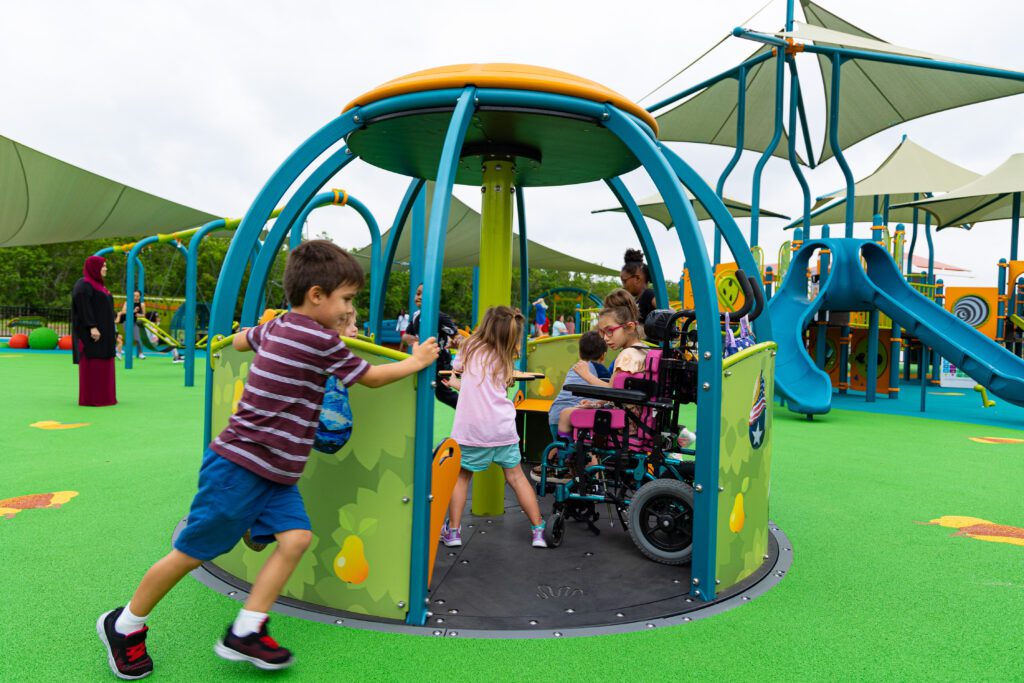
(497,586)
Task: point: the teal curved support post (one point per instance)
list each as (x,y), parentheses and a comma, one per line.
(1015,226)
(133,282)
(259,212)
(895,339)
(192,295)
(755,199)
(251,305)
(913,240)
(931,248)
(104,251)
(524,280)
(636,218)
(475,297)
(741,129)
(232,270)
(1002,309)
(416,246)
(395,235)
(833,141)
(424,437)
(727,225)
(328,199)
(656,161)
(794,99)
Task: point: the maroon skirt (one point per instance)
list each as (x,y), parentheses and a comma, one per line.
(95,380)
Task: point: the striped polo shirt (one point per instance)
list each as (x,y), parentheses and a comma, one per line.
(272,431)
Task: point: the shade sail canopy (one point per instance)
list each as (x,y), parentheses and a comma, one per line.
(710,116)
(874,95)
(654,207)
(988,198)
(45,200)
(462,245)
(909,169)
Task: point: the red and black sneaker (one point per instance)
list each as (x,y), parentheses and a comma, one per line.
(259,649)
(126,654)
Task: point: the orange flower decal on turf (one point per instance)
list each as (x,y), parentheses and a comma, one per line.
(981,529)
(12,506)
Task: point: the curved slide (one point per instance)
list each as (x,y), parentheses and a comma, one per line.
(849,287)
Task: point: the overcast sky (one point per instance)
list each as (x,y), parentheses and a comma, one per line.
(199,102)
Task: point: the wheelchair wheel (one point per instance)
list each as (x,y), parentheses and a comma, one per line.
(661,521)
(554,529)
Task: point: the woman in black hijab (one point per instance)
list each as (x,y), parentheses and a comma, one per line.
(93,335)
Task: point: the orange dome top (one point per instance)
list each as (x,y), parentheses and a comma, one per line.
(511,76)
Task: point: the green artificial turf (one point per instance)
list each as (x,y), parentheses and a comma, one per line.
(871,594)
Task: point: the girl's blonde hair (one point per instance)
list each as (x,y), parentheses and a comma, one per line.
(500,333)
(621,305)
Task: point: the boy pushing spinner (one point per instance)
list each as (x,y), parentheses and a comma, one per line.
(248,479)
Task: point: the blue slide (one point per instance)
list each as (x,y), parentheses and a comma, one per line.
(849,287)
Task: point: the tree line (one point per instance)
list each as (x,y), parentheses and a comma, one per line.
(43,276)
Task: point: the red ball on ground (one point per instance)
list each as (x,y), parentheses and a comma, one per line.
(64,343)
(19,341)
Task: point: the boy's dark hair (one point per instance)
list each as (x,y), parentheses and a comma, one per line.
(319,263)
(592,346)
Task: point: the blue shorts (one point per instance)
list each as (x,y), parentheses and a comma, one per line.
(479,458)
(232,500)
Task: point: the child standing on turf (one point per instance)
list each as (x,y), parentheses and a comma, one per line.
(249,473)
(485,418)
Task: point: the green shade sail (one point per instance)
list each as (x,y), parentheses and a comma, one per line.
(987,198)
(462,245)
(909,169)
(653,207)
(711,115)
(44,200)
(875,95)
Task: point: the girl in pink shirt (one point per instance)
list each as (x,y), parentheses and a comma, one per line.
(485,418)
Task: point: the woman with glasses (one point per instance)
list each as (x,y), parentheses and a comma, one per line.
(636,280)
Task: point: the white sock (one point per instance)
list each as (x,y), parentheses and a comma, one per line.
(248,622)
(129,623)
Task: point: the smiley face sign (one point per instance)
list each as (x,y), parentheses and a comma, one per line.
(730,296)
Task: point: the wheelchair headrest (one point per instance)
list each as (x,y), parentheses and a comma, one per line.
(658,326)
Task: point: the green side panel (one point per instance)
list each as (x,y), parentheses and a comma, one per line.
(362,527)
(745,458)
(554,356)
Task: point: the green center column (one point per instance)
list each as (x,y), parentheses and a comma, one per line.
(495,290)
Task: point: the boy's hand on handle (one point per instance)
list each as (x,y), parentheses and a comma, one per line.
(426,351)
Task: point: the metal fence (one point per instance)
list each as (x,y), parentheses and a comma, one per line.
(24,319)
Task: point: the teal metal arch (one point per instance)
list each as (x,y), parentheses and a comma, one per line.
(251,307)
(412,194)
(594,299)
(132,283)
(336,198)
(192,294)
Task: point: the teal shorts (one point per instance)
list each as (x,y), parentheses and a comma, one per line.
(479,458)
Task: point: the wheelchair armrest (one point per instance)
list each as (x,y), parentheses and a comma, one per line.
(607,393)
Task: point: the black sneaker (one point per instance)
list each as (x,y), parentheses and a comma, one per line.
(259,649)
(125,654)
